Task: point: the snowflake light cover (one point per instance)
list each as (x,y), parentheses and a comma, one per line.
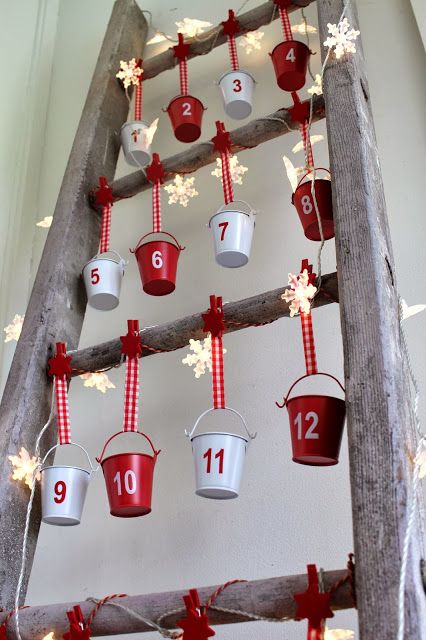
(181,190)
(237,169)
(303,28)
(342,38)
(13,330)
(338,634)
(314,139)
(201,356)
(300,293)
(316,88)
(251,41)
(24,466)
(98,380)
(129,73)
(191,27)
(45,223)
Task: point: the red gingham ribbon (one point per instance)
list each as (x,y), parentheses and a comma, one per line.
(131,348)
(183,77)
(105,228)
(233,55)
(228,192)
(217,373)
(138,101)
(285,22)
(309,344)
(61,392)
(156,207)
(309,156)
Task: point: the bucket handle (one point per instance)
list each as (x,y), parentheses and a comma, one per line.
(251,210)
(121,260)
(308,172)
(75,445)
(100,459)
(152,233)
(189,434)
(307,375)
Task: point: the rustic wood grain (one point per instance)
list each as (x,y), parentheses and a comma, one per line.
(380,424)
(260,309)
(271,598)
(57,303)
(249,21)
(199,155)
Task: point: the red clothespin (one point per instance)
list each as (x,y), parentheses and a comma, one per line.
(231,26)
(131,343)
(213,318)
(60,365)
(299,112)
(155,171)
(78,629)
(308,267)
(313,605)
(181,50)
(196,624)
(283,4)
(103,194)
(3,632)
(222,139)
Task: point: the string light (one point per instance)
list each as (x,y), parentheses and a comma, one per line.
(294,173)
(181,190)
(201,356)
(237,169)
(24,466)
(49,636)
(314,139)
(158,37)
(338,634)
(316,88)
(251,41)
(147,133)
(303,28)
(414,309)
(300,293)
(13,330)
(342,38)
(97,380)
(45,223)
(129,73)
(191,27)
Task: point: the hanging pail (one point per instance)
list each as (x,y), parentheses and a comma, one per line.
(316,426)
(128,480)
(290,60)
(237,92)
(133,140)
(102,278)
(185,113)
(232,235)
(157,262)
(219,460)
(63,491)
(305,205)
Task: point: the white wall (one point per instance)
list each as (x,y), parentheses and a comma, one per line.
(287,515)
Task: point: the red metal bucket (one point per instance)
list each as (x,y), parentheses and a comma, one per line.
(290,60)
(128,480)
(157,262)
(185,113)
(305,206)
(316,426)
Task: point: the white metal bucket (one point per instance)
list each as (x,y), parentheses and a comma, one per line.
(232,235)
(136,149)
(102,278)
(237,92)
(63,491)
(219,460)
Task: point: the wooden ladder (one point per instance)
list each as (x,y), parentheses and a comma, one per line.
(378,399)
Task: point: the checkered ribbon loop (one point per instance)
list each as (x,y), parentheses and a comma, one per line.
(62,409)
(218,379)
(183,77)
(105,228)
(131,348)
(233,55)
(228,191)
(138,101)
(285,23)
(309,343)
(156,207)
(309,157)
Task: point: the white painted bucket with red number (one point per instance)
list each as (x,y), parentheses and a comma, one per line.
(102,278)
(63,491)
(233,234)
(219,459)
(136,147)
(237,89)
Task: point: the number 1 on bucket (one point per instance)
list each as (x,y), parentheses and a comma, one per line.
(310,434)
(219,455)
(130,484)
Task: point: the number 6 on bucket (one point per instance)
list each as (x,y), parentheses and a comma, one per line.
(218,455)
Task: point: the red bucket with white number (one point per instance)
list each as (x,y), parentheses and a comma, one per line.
(186,113)
(303,200)
(157,262)
(128,479)
(316,426)
(290,60)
